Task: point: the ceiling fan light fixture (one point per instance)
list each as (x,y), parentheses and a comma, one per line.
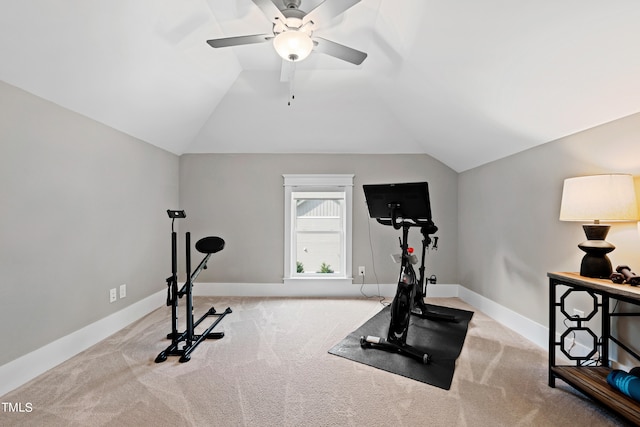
(293,45)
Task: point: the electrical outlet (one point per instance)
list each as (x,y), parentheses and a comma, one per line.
(113,296)
(123,290)
(578,313)
(361,270)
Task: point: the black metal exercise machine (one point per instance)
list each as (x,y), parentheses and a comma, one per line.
(404,206)
(207,246)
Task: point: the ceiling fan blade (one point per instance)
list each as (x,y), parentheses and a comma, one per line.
(240,40)
(339,51)
(328,10)
(270,10)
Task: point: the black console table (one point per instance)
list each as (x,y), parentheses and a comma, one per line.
(587,375)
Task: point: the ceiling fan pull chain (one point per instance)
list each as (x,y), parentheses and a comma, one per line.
(292,74)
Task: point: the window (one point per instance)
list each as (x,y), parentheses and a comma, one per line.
(318,233)
(318,227)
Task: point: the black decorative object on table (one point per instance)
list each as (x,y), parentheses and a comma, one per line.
(624,274)
(595,262)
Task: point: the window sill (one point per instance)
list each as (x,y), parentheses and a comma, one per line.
(337,281)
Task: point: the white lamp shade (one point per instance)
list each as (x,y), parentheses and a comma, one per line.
(599,198)
(293,45)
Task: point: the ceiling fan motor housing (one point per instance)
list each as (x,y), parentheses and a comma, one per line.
(292,4)
(293,20)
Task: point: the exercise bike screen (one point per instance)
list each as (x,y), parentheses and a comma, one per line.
(411,199)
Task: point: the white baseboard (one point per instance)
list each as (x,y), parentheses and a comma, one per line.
(310,288)
(25,368)
(524,326)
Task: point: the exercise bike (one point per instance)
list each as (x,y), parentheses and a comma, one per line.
(404,206)
(208,246)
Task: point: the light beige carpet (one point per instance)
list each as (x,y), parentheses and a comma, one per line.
(273,369)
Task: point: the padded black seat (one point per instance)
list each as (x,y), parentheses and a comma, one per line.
(210,245)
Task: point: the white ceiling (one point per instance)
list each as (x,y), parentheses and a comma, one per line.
(465,81)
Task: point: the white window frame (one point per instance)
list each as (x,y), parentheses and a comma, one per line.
(294,183)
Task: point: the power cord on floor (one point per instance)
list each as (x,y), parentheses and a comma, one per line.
(381,298)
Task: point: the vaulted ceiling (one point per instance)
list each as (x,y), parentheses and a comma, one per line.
(465,81)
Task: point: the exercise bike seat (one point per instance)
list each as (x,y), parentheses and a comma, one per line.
(210,245)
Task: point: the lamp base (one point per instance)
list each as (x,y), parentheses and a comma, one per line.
(597,267)
(596,263)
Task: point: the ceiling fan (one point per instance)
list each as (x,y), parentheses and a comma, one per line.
(292,32)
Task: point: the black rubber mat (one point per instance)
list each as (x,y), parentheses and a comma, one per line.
(442,340)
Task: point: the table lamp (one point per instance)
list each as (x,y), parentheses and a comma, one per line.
(598,198)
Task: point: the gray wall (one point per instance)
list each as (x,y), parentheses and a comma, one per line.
(83,211)
(241,199)
(509,232)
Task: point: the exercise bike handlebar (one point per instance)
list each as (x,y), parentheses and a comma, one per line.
(427,225)
(398,221)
